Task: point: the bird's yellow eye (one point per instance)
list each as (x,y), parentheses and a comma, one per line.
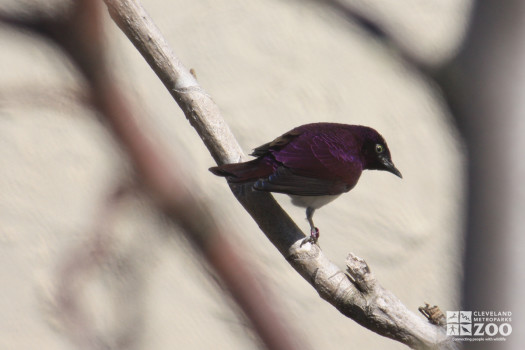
(379,148)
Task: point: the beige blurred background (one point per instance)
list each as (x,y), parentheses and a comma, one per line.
(270,66)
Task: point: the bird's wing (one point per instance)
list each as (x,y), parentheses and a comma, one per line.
(283,180)
(276,144)
(314,161)
(321,156)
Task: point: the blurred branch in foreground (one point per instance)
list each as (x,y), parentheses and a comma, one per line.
(372,307)
(79,34)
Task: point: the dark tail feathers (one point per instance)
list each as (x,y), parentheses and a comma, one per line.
(244,172)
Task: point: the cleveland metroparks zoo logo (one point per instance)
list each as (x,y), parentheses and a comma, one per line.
(479,325)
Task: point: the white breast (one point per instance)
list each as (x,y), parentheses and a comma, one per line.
(315,202)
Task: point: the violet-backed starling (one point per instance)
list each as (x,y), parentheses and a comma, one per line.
(313,163)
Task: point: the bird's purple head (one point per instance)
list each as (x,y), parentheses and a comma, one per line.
(375,153)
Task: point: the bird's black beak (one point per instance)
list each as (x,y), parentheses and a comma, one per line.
(390,167)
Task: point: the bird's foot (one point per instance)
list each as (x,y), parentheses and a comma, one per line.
(314,236)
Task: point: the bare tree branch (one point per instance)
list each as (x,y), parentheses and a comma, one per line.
(201,111)
(374,307)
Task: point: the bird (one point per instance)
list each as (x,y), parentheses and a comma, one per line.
(313,164)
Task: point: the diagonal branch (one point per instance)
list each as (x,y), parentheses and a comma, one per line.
(374,307)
